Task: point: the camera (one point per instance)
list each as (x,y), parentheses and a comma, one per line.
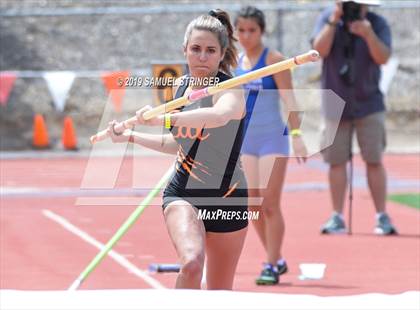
(351,11)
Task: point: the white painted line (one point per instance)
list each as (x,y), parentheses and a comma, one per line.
(114,255)
(150,299)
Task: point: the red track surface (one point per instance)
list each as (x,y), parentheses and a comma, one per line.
(37,253)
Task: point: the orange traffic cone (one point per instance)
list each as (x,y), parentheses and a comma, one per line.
(69,135)
(40,135)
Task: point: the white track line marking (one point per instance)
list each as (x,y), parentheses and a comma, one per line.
(114,255)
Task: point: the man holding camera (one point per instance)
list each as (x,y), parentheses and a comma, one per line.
(353,43)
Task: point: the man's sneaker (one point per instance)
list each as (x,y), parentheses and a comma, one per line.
(269,276)
(384,226)
(282,268)
(335,225)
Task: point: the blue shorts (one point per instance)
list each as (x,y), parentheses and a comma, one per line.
(267,142)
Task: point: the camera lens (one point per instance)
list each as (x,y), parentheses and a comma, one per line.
(351,11)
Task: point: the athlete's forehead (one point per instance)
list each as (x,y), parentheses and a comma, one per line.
(247,22)
(203,38)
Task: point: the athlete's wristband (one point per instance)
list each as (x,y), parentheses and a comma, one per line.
(167,120)
(296,132)
(116,132)
(131,138)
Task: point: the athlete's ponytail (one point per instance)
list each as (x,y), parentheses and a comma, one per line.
(231,54)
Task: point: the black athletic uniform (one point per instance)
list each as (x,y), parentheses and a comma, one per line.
(208,173)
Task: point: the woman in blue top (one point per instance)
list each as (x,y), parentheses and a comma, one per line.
(265,148)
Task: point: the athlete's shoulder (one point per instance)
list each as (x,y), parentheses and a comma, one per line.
(274,56)
(179,82)
(223,75)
